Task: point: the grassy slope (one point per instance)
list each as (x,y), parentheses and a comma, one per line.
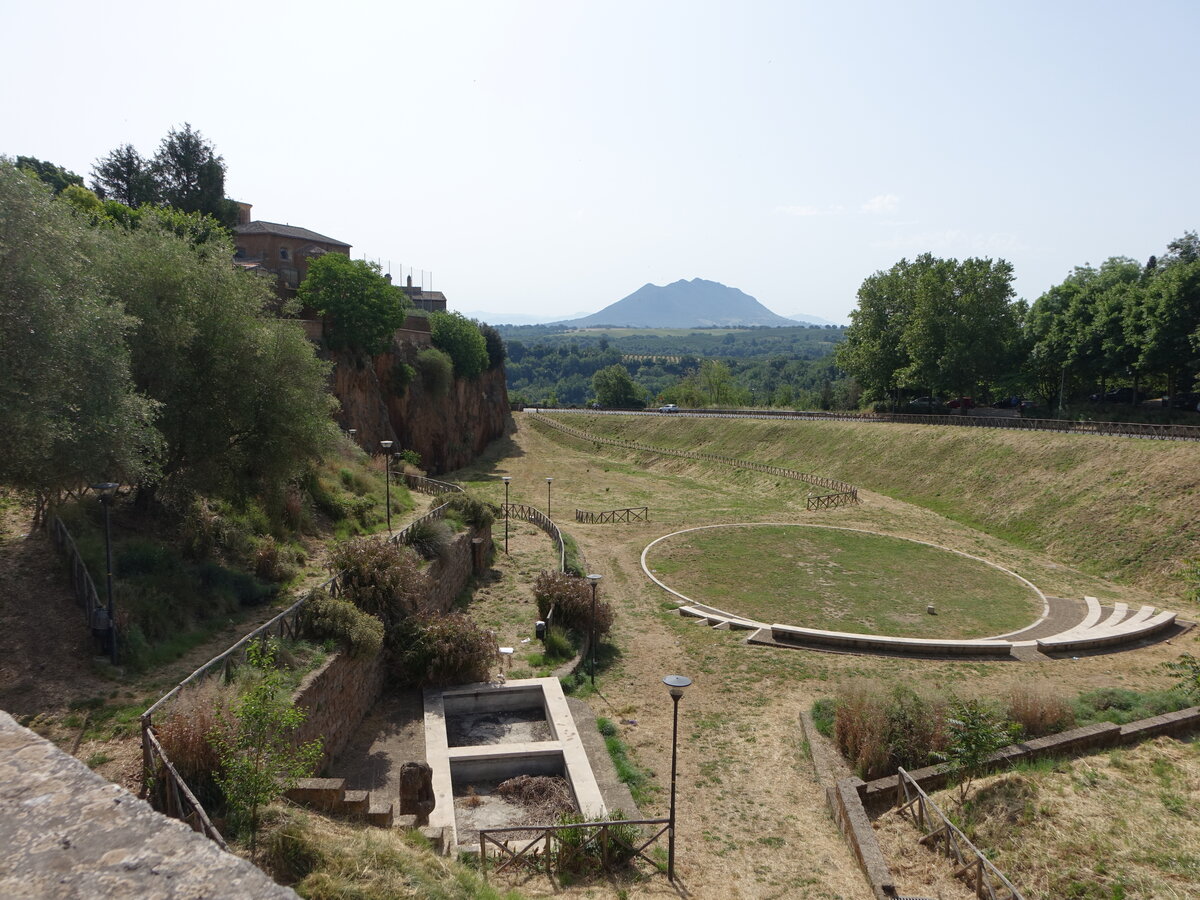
(1121,508)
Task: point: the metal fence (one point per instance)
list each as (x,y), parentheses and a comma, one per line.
(624,516)
(973,866)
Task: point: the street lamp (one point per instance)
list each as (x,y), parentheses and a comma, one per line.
(593,580)
(106,490)
(676,683)
(548,480)
(506,479)
(387,479)
(352,432)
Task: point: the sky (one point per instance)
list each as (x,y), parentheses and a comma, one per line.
(548,158)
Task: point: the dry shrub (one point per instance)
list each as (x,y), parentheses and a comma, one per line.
(429,537)
(879,730)
(360,633)
(571,599)
(271,562)
(545,798)
(441,650)
(1038,711)
(184,735)
(380,578)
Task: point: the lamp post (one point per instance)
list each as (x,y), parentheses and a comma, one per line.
(387,479)
(676,683)
(593,580)
(506,479)
(352,432)
(106,490)
(548,480)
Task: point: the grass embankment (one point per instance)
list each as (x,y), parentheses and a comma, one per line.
(1119,508)
(843,581)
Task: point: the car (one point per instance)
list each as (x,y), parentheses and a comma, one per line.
(962,403)
(670,407)
(1186,401)
(926,404)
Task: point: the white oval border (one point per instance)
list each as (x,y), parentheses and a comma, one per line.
(987,562)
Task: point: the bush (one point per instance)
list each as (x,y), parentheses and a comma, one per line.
(471,511)
(380,578)
(429,537)
(574,558)
(878,731)
(571,599)
(360,633)
(185,737)
(436,370)
(1039,712)
(557,644)
(462,340)
(401,377)
(441,650)
(272,562)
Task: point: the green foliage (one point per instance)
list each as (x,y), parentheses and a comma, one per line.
(615,389)
(125,177)
(824,712)
(259,762)
(558,645)
(1121,705)
(380,577)
(571,599)
(974,733)
(461,339)
(573,564)
(878,730)
(58,178)
(1186,671)
(189,175)
(365,308)
(436,371)
(441,650)
(325,617)
(65,364)
(470,510)
(429,537)
(401,377)
(588,851)
(496,350)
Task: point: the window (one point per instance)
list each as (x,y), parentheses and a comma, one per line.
(283,253)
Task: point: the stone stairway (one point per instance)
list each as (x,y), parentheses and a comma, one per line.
(330,795)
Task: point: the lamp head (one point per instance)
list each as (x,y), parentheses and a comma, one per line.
(385,444)
(505,478)
(106,489)
(548,480)
(677,683)
(593,579)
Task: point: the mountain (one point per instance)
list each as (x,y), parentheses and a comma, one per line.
(683,304)
(806,319)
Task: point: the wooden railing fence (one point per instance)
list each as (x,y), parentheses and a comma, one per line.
(973,867)
(167,791)
(819,481)
(548,848)
(536,517)
(830,501)
(625,516)
(81,579)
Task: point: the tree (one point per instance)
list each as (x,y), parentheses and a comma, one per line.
(873,351)
(244,404)
(189,175)
(259,762)
(124,176)
(975,734)
(461,339)
(1186,671)
(614,388)
(69,412)
(56,176)
(364,308)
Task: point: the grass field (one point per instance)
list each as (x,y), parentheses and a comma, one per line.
(843,581)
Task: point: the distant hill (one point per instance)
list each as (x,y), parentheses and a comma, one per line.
(684,304)
(806,319)
(504,318)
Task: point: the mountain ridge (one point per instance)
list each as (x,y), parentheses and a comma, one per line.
(698,303)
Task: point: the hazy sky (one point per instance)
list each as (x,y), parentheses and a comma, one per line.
(552,157)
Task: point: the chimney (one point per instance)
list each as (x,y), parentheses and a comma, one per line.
(409,282)
(243,213)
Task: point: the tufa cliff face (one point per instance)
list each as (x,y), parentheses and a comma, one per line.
(448,431)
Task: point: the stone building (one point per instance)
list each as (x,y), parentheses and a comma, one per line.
(282,250)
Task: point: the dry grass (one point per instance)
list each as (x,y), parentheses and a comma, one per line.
(1120,824)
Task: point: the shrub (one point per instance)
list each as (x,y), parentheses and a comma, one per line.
(360,633)
(574,558)
(271,562)
(429,537)
(441,650)
(184,735)
(471,511)
(462,340)
(580,851)
(571,599)
(878,731)
(557,644)
(380,577)
(1039,712)
(402,375)
(436,371)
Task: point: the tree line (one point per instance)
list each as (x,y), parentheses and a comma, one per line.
(946,327)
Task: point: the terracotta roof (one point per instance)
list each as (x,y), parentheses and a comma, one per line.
(287,231)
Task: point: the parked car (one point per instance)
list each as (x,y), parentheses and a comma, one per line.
(924,404)
(962,403)
(1186,401)
(1119,395)
(670,407)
